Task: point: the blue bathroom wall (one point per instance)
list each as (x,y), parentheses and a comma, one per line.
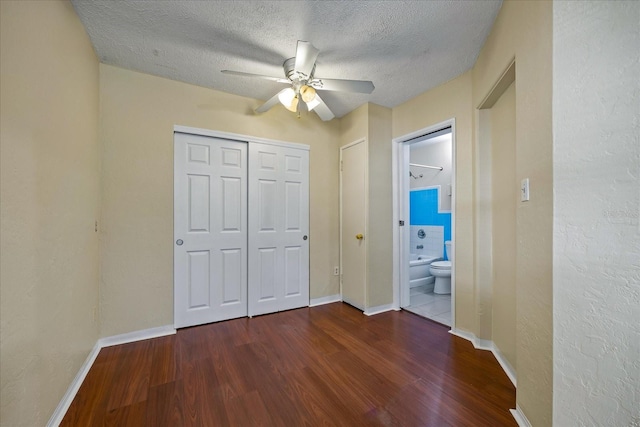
(423,210)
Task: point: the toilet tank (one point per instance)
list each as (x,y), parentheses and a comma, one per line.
(447,248)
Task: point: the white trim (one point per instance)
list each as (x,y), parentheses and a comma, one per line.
(372,311)
(397,273)
(67,399)
(519,416)
(488,345)
(399,176)
(70,394)
(325,300)
(238,137)
(134,336)
(504,363)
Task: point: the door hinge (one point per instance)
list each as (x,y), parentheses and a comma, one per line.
(341,165)
(401,223)
(96,227)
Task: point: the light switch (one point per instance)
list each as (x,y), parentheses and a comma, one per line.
(524,190)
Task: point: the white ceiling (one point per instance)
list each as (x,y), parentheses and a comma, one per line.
(404,47)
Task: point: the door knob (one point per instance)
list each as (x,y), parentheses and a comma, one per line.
(359,236)
(179,242)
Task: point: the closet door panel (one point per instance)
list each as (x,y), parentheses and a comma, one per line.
(210,232)
(278,225)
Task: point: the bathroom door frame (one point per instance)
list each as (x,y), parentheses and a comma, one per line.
(400,185)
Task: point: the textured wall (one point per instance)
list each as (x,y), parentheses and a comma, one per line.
(138,112)
(379,247)
(505,195)
(596,245)
(373,123)
(523,30)
(49,204)
(452,100)
(354,126)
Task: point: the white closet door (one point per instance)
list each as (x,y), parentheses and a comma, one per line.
(278,228)
(210,233)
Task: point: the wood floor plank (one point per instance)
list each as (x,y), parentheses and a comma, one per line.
(89,404)
(132,374)
(248,410)
(203,397)
(321,366)
(126,416)
(165,364)
(164,406)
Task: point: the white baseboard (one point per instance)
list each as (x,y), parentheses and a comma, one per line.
(372,311)
(134,336)
(63,406)
(325,300)
(518,415)
(506,366)
(488,345)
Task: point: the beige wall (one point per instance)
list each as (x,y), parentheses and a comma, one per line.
(372,123)
(354,126)
(523,30)
(596,185)
(380,220)
(49,203)
(447,101)
(56,167)
(505,193)
(138,112)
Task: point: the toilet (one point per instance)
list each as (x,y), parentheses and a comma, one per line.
(441,270)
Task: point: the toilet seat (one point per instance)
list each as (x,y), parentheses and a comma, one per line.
(441,265)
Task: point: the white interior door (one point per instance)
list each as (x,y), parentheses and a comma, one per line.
(278,228)
(210,233)
(353,223)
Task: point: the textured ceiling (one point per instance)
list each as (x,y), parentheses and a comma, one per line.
(404,47)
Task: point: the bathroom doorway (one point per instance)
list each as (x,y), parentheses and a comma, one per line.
(424,191)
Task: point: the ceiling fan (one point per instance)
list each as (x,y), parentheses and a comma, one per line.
(299,72)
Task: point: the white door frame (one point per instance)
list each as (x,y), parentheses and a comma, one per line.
(400,184)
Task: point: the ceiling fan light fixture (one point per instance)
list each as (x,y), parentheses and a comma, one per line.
(289,99)
(308,93)
(313,103)
(299,72)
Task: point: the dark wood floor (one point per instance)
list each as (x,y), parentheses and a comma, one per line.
(327,365)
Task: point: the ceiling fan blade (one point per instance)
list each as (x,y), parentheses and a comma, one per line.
(259,76)
(359,86)
(274,100)
(322,110)
(306,56)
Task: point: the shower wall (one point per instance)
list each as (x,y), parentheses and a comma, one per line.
(427,240)
(434,154)
(423,211)
(430,194)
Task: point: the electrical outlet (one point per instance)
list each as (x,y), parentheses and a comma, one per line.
(336,271)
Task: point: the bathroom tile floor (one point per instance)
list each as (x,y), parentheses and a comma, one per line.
(432,306)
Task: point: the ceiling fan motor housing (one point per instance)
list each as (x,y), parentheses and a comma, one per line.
(289,71)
